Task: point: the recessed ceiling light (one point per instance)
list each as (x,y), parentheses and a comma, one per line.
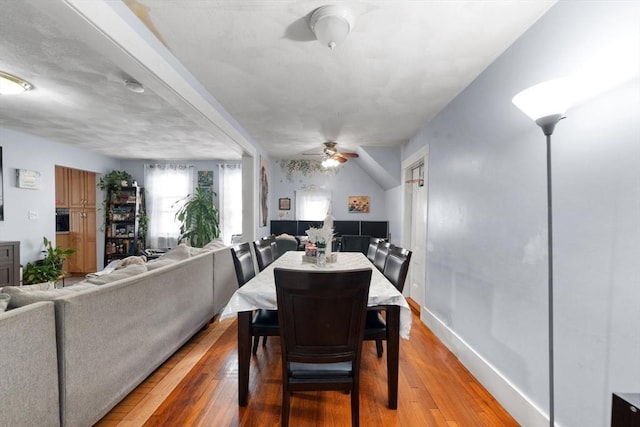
(134,86)
(12,85)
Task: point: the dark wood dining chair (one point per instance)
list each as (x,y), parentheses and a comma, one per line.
(264,253)
(321,351)
(395,270)
(274,246)
(381,255)
(373,248)
(264,322)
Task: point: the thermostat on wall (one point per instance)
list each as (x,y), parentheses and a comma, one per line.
(28,179)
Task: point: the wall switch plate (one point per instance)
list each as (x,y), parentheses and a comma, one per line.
(33,215)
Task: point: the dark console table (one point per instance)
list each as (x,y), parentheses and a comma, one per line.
(625,410)
(9,264)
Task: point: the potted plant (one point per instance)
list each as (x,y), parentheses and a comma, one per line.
(199,219)
(48,269)
(113,182)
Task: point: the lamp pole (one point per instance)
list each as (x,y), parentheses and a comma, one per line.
(548,124)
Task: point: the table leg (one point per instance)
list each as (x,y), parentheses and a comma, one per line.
(393,353)
(244,356)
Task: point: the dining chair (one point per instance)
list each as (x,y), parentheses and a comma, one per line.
(264,322)
(264,253)
(373,248)
(395,270)
(381,255)
(274,246)
(321,351)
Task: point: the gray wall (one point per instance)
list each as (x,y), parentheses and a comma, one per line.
(487,259)
(23,151)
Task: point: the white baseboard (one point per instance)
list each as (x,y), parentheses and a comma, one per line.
(514,402)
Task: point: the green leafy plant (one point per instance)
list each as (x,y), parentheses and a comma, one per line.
(111,182)
(199,218)
(48,269)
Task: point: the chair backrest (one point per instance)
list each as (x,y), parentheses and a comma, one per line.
(354,243)
(322,314)
(397,266)
(284,244)
(274,246)
(264,253)
(243,262)
(381,255)
(373,248)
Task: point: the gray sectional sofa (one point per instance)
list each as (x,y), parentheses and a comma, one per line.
(110,337)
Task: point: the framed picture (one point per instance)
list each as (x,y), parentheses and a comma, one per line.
(264,191)
(284,204)
(358,204)
(205,178)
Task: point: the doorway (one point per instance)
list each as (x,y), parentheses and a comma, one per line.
(415,224)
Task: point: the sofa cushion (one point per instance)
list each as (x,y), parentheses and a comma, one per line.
(131,260)
(215,244)
(4,301)
(160,262)
(123,273)
(21,297)
(178,253)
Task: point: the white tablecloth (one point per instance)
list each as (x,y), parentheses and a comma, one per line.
(260,292)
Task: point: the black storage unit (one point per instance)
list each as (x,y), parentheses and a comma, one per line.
(625,410)
(346,227)
(284,227)
(375,229)
(354,228)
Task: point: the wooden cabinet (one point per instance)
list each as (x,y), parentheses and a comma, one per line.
(80,192)
(82,238)
(121,228)
(9,263)
(62,187)
(82,189)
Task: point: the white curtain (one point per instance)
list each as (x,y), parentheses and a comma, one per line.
(165,185)
(312,205)
(230,177)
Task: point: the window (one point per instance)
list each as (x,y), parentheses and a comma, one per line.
(230,200)
(165,186)
(312,205)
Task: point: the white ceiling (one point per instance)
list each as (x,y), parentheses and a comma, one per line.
(220,75)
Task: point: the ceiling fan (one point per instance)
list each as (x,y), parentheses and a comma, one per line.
(330,151)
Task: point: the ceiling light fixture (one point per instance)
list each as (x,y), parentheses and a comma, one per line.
(330,162)
(12,85)
(134,86)
(331,24)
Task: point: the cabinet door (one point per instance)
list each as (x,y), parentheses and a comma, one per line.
(90,241)
(62,241)
(82,188)
(62,183)
(76,240)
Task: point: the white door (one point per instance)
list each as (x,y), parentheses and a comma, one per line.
(418,239)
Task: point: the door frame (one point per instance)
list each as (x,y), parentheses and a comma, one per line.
(415,159)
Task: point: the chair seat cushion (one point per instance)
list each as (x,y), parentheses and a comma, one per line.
(265,318)
(315,370)
(374,322)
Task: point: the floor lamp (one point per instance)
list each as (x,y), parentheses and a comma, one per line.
(546,103)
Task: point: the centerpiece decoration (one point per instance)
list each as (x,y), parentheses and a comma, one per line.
(319,247)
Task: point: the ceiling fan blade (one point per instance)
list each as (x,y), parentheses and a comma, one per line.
(350,155)
(339,158)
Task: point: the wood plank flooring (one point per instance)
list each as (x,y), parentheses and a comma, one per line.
(198,386)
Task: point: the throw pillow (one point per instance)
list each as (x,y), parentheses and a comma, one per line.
(178,253)
(215,244)
(21,297)
(129,271)
(132,260)
(4,301)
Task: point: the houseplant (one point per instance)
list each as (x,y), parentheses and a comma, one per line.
(112,183)
(199,218)
(48,269)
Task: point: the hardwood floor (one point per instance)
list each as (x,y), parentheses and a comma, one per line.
(198,386)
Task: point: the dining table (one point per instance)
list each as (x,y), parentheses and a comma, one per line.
(260,293)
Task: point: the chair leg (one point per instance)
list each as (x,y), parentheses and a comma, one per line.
(255,344)
(355,407)
(264,341)
(379,347)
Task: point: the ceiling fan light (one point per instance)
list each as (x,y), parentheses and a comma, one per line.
(330,163)
(331,25)
(13,85)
